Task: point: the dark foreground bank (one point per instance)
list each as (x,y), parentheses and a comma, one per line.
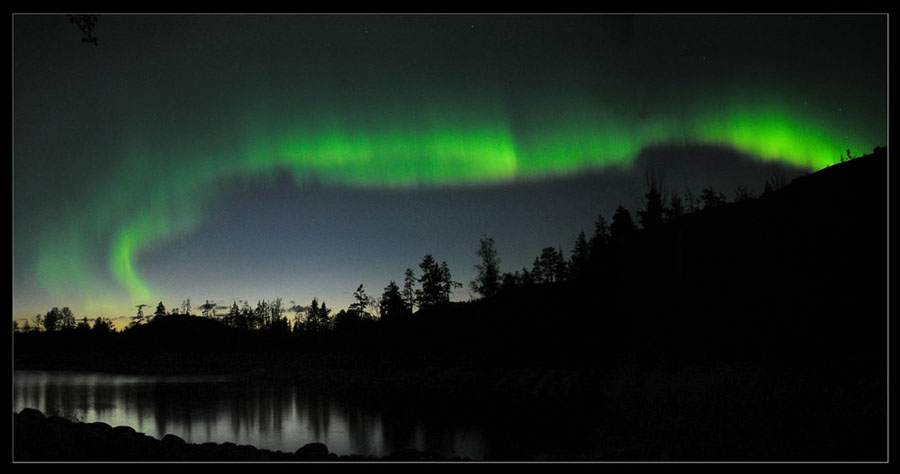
(41,438)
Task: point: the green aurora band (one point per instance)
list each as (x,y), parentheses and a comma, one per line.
(160,191)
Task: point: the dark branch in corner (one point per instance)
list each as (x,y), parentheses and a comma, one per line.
(85,23)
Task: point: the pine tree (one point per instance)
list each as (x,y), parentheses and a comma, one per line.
(317,317)
(102,325)
(67,318)
(550,267)
(361,302)
(138,318)
(622,227)
(436,283)
(276,308)
(691,201)
(160,311)
(580,256)
(261,314)
(234,315)
(676,208)
(599,241)
(392,305)
(741,193)
(711,198)
(651,216)
(409,289)
(487,281)
(246,319)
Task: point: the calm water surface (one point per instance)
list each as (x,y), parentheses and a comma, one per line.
(276,416)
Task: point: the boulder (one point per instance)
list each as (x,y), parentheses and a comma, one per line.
(30,414)
(312,452)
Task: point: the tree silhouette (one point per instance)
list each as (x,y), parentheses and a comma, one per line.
(277,323)
(409,289)
(312,317)
(599,240)
(361,302)
(324,315)
(741,193)
(654,210)
(246,319)
(67,318)
(392,305)
(234,314)
(86,23)
(711,198)
(775,180)
(487,280)
(317,317)
(138,318)
(581,254)
(550,266)
(83,325)
(102,326)
(675,208)
(276,308)
(186,307)
(160,311)
(447,282)
(622,227)
(208,309)
(517,279)
(691,201)
(260,314)
(52,320)
(436,283)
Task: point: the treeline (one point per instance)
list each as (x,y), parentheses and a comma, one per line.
(683,264)
(434,285)
(64,321)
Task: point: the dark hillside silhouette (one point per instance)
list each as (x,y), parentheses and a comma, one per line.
(176,333)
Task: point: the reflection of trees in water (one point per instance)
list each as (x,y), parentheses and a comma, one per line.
(27,394)
(57,399)
(104,399)
(401,431)
(187,404)
(363,428)
(263,414)
(30,394)
(81,397)
(318,413)
(242,407)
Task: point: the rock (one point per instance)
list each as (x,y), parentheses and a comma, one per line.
(30,414)
(100,427)
(39,438)
(172,440)
(124,431)
(312,452)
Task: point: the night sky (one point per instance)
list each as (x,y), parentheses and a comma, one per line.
(233,157)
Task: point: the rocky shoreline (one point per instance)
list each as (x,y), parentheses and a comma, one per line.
(39,438)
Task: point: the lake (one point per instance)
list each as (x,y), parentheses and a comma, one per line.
(280,416)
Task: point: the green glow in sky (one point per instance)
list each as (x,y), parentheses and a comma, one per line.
(163,187)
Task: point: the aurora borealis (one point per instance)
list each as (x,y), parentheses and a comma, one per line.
(124,150)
